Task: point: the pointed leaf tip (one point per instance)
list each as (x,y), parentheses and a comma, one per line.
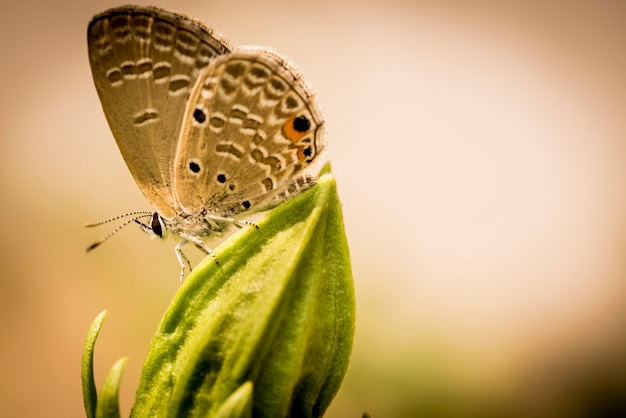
(90,396)
(108,405)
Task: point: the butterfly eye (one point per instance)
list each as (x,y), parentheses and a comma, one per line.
(199,115)
(155,225)
(246,204)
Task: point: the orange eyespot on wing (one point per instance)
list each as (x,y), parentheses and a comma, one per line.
(305,153)
(296,128)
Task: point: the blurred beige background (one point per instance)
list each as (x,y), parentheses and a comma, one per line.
(480,153)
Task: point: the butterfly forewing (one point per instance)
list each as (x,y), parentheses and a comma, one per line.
(251,129)
(145,61)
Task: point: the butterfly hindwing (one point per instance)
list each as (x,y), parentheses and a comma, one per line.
(250,131)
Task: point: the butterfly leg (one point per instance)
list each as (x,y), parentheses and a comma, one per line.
(200,245)
(182,259)
(236,222)
(207,251)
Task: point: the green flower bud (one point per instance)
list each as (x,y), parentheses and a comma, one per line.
(267,332)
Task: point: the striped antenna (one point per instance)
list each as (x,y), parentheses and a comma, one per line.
(136,215)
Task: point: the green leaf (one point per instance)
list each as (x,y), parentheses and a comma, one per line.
(270,328)
(238,405)
(90,396)
(108,407)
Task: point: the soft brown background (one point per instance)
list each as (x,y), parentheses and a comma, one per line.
(480,153)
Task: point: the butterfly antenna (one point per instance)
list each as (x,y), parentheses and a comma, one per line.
(138,215)
(106,221)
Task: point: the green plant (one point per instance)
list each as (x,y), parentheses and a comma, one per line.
(266,333)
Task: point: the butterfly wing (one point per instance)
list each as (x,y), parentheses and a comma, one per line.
(144,62)
(251,133)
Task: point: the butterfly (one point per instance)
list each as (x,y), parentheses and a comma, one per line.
(210,133)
